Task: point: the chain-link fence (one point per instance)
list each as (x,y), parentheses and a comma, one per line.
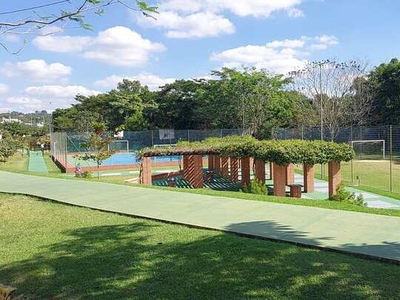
(377,162)
(65,145)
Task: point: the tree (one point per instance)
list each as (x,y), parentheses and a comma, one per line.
(125,107)
(178,105)
(67,11)
(96,148)
(332,87)
(384,80)
(7,149)
(251,99)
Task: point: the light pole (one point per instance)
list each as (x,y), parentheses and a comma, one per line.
(51,120)
(320,100)
(321,111)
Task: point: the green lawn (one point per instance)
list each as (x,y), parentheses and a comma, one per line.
(16,163)
(373,176)
(56,251)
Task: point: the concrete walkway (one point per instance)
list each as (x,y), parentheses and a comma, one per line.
(36,162)
(367,234)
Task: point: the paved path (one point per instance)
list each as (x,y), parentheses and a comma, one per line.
(36,162)
(367,234)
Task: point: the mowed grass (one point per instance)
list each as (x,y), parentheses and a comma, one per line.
(17,163)
(56,251)
(373,176)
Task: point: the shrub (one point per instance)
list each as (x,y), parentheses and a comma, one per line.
(255,187)
(87,175)
(7,149)
(343,195)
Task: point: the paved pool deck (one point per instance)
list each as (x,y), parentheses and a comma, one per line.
(358,233)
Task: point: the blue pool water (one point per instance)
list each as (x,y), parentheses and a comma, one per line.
(130,158)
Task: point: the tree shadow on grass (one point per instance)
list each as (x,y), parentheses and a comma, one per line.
(133,262)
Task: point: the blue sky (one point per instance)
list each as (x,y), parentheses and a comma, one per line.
(189,39)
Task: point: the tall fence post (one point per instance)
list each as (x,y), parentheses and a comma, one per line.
(391,158)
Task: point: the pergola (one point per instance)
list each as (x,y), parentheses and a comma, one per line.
(227,156)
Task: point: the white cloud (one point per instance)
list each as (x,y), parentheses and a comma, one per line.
(207,18)
(324,41)
(196,25)
(62,44)
(255,8)
(37,69)
(11,38)
(299,43)
(59,91)
(118,46)
(278,56)
(3,88)
(152,81)
(47,97)
(25,104)
(295,13)
(50,29)
(5,109)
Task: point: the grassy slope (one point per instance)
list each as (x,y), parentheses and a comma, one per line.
(17,163)
(63,252)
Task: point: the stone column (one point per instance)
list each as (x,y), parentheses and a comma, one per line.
(225,167)
(234,169)
(211,162)
(217,164)
(245,168)
(194,171)
(334,177)
(259,170)
(308,177)
(279,180)
(146,171)
(290,174)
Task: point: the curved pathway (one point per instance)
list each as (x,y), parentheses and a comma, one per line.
(366,234)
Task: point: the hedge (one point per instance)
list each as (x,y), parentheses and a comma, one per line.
(280,152)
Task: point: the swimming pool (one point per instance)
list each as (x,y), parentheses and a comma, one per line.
(122,159)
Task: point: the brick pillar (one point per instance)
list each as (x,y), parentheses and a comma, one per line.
(308,177)
(271,171)
(279,180)
(146,172)
(211,162)
(334,177)
(234,169)
(245,168)
(193,172)
(185,166)
(217,164)
(259,170)
(225,167)
(290,174)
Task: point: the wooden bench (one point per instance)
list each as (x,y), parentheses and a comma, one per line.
(295,190)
